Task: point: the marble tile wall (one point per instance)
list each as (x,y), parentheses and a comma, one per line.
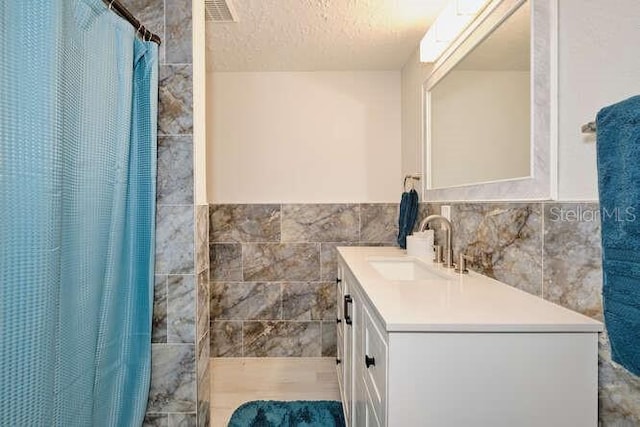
(504,240)
(176,393)
(552,250)
(273,270)
(202,314)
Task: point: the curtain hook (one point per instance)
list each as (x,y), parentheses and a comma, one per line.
(111,4)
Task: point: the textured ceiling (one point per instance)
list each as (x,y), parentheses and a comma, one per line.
(327,35)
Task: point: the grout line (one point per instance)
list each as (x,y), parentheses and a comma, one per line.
(542,222)
(166,284)
(179,344)
(164,31)
(176,64)
(281,301)
(321,263)
(178,205)
(242,338)
(281,219)
(302,242)
(359,222)
(242,262)
(321,337)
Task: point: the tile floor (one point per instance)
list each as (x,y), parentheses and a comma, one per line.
(238,380)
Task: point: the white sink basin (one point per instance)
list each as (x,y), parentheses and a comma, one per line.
(404,269)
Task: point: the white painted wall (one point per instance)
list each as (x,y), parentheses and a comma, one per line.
(480,127)
(598,66)
(414,73)
(303,137)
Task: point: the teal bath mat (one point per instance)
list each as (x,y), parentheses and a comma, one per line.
(298,413)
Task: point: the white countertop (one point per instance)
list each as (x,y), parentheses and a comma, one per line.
(463,303)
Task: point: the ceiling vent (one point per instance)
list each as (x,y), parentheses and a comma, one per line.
(219,11)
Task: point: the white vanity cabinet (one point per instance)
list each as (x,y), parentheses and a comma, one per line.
(401,366)
(344,337)
(361,356)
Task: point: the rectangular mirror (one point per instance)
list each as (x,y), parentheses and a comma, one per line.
(488,127)
(480,111)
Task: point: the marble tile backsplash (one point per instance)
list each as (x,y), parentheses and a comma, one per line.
(273,270)
(504,240)
(321,223)
(244,223)
(572,258)
(272,262)
(552,250)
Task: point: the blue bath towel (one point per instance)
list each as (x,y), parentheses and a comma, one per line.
(408,215)
(618,131)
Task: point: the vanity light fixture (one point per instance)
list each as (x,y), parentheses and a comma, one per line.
(452,20)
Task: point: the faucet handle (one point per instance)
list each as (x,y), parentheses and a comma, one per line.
(437,257)
(462,264)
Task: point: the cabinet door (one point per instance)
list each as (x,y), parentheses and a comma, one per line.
(364,413)
(360,400)
(347,320)
(340,296)
(371,418)
(374,361)
(359,407)
(340,331)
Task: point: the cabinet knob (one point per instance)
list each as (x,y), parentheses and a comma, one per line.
(369,361)
(338,361)
(338,280)
(338,320)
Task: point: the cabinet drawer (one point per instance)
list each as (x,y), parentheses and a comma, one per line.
(375,349)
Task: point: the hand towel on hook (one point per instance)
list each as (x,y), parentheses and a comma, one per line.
(408,215)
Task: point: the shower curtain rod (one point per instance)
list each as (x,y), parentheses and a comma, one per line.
(123,12)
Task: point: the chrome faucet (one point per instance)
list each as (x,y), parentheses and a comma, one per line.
(448,250)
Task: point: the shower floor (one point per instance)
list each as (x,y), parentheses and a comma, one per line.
(235,381)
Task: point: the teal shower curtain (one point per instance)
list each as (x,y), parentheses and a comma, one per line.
(78,107)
